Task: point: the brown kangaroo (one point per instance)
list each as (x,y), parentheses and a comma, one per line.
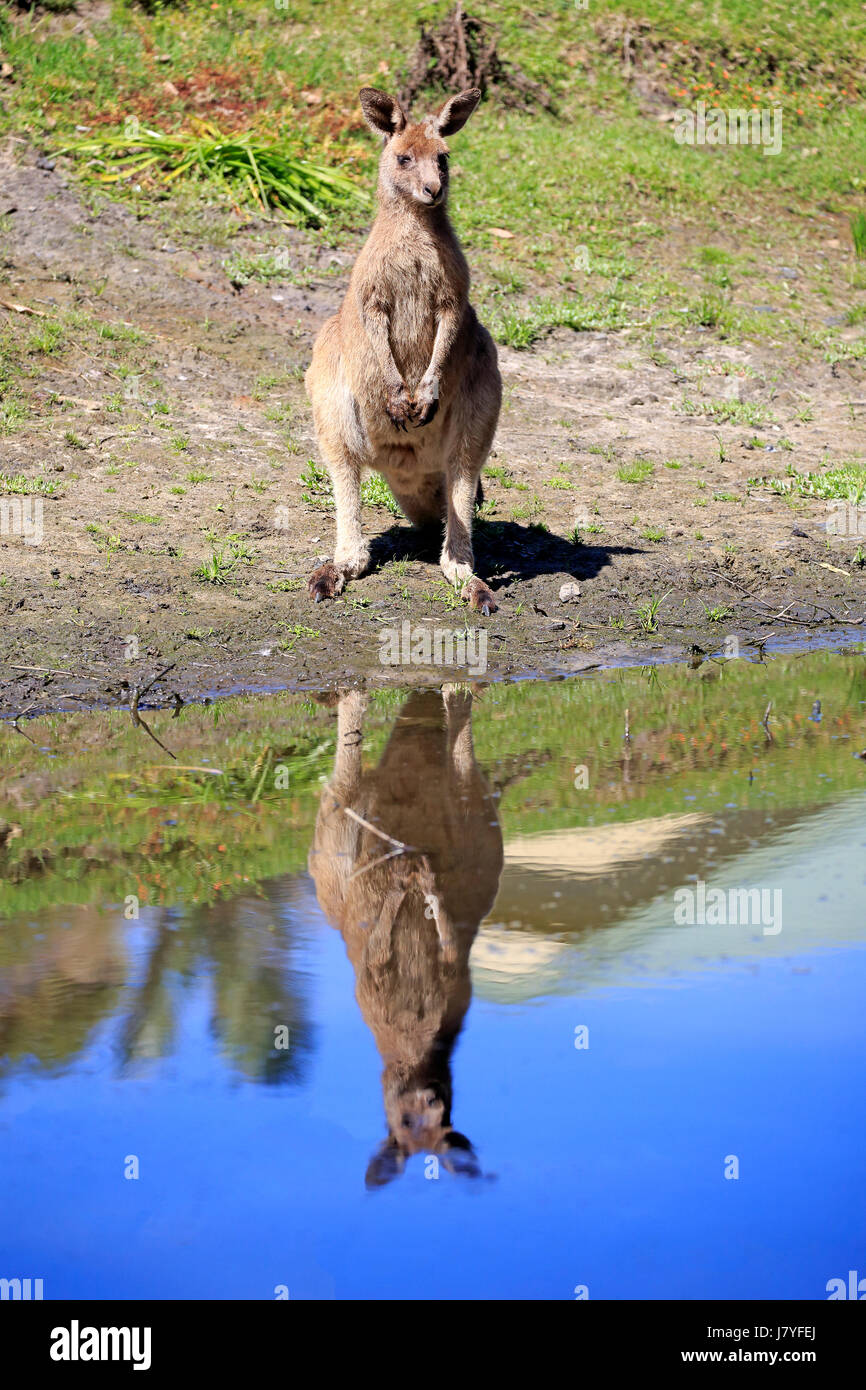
(407,898)
(404,379)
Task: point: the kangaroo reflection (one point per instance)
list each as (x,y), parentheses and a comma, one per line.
(407,901)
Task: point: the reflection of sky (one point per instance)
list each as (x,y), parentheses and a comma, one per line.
(819,863)
(604,1167)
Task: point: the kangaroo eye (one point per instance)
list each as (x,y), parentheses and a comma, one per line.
(404,159)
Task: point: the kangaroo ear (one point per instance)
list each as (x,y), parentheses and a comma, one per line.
(461,1157)
(381,112)
(454,114)
(386,1164)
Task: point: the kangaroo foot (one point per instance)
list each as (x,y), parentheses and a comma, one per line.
(479,597)
(325,582)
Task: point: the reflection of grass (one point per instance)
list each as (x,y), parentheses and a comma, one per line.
(105,785)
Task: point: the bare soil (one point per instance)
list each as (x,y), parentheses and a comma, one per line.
(227,363)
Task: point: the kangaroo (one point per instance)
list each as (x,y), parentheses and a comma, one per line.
(406,860)
(404,379)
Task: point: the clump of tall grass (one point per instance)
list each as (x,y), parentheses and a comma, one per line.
(858,233)
(248,170)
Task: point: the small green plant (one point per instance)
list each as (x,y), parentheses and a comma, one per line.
(223,561)
(844,482)
(108,545)
(500,473)
(315,481)
(252,171)
(647,613)
(375,492)
(285,586)
(17,484)
(635,472)
(296,633)
(858,233)
(653,533)
(717,613)
(446,594)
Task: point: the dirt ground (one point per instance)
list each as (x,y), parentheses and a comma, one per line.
(214,391)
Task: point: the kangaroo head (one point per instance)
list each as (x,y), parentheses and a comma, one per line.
(418,1110)
(451,1147)
(414,163)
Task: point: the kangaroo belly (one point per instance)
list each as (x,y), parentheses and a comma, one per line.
(412,333)
(416,480)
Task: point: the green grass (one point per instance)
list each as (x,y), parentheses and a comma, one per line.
(18,484)
(845,482)
(250,171)
(375,492)
(647,613)
(223,561)
(318,492)
(635,472)
(716,613)
(750,413)
(616,183)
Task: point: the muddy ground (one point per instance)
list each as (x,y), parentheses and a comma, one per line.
(210,403)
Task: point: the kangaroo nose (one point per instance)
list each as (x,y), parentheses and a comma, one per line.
(432,189)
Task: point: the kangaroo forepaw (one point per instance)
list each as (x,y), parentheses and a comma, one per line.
(398,407)
(479,597)
(325,582)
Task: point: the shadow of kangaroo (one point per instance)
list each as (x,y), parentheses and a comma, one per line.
(407,901)
(404,379)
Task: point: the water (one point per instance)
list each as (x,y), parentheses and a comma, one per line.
(513,1070)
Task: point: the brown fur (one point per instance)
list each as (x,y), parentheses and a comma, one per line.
(404,379)
(409,921)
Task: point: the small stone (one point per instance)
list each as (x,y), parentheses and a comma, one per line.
(569,593)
